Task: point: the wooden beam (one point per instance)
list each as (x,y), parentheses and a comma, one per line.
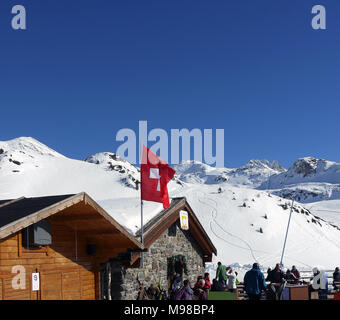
(11,201)
(77,218)
(98,233)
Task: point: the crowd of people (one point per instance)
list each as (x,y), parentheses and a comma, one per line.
(255,283)
(225,280)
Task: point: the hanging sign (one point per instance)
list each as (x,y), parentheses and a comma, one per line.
(184,219)
(35,282)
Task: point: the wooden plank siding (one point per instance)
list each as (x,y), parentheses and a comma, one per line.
(66,270)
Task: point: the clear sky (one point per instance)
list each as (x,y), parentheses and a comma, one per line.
(85,69)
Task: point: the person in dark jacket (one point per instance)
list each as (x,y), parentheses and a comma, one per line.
(277,282)
(290,277)
(336,278)
(254,282)
(276,275)
(216,286)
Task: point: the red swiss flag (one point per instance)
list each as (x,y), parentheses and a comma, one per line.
(155,175)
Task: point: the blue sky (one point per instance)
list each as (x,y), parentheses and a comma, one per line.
(81,72)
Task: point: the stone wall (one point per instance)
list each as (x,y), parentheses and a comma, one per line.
(124,284)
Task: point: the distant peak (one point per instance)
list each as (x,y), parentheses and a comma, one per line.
(256,163)
(29,146)
(307,165)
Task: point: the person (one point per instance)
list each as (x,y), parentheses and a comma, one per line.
(153,292)
(277,282)
(185,293)
(276,275)
(176,285)
(254,282)
(207,285)
(216,286)
(221,274)
(199,291)
(231,280)
(296,273)
(269,270)
(290,277)
(336,278)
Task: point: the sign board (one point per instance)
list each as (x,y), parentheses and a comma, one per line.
(35,282)
(184,219)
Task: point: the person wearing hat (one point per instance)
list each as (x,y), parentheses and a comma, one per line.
(254,282)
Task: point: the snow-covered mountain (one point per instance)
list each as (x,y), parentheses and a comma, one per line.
(307,170)
(246,224)
(112,162)
(192,171)
(253,174)
(307,180)
(29,168)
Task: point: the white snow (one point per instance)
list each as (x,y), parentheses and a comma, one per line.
(232,218)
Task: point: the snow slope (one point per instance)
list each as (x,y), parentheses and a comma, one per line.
(111,162)
(28,168)
(329,210)
(233,218)
(235,228)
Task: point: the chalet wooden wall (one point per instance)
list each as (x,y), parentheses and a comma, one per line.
(66,270)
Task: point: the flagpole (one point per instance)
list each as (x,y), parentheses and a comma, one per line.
(141,206)
(284,245)
(141,233)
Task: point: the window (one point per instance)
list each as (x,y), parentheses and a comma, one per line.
(172,230)
(37,235)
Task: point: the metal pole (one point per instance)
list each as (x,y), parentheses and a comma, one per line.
(141,234)
(141,147)
(284,245)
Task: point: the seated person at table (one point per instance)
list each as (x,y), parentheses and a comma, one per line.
(296,273)
(290,277)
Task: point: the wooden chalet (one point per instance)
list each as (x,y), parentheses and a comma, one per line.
(65,240)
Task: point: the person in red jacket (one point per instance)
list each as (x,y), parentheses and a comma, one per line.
(296,273)
(199,291)
(207,285)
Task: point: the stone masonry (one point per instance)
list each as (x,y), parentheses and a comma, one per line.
(124,283)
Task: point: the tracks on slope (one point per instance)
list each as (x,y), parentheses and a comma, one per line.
(214,216)
(269,255)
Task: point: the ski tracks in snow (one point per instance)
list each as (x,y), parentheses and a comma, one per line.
(264,258)
(268,256)
(214,220)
